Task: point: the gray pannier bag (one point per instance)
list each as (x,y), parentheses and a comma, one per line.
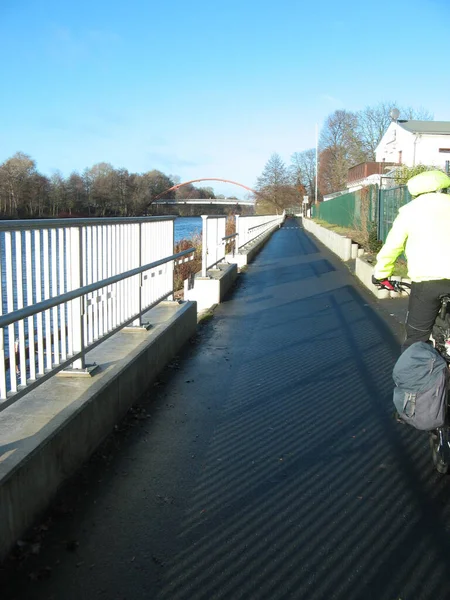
(421,380)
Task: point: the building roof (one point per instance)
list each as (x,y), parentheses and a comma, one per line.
(430,127)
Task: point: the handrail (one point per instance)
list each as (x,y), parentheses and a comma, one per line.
(248,232)
(67,362)
(262,224)
(30,224)
(213,231)
(34,309)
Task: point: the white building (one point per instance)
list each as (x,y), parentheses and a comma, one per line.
(412,143)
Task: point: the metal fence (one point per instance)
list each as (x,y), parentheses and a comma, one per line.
(66,285)
(351,210)
(391,200)
(213,241)
(250,228)
(364,208)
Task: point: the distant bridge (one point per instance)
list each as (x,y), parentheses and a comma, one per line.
(206,206)
(180,185)
(217,201)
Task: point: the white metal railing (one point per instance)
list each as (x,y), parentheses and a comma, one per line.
(66,285)
(213,241)
(252,227)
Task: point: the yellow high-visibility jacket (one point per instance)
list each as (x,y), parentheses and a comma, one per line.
(422,231)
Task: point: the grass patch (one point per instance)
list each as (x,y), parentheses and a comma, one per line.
(205,316)
(400,267)
(354,234)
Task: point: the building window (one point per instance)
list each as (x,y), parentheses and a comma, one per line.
(400,157)
(444,150)
(447,166)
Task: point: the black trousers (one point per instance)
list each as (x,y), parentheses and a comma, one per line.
(423,308)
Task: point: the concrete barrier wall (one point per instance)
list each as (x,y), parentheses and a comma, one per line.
(340,245)
(346,250)
(364,272)
(211,290)
(245,256)
(47,435)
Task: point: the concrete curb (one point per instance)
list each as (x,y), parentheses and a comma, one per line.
(363,269)
(210,290)
(248,253)
(47,435)
(339,244)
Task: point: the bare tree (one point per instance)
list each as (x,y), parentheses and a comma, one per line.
(416,114)
(275,188)
(76,194)
(57,193)
(303,171)
(373,122)
(340,141)
(15,174)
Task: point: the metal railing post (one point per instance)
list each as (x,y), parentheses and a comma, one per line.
(204,244)
(237,242)
(78,304)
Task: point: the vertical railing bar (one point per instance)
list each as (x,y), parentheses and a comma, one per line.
(104,275)
(171,281)
(48,340)
(119,287)
(21,349)
(38,292)
(29,288)
(83,275)
(121,269)
(62,289)
(111,270)
(88,307)
(69,282)
(54,292)
(144,281)
(95,278)
(78,242)
(98,266)
(10,308)
(204,244)
(128,259)
(3,390)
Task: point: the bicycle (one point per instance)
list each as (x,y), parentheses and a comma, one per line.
(439,440)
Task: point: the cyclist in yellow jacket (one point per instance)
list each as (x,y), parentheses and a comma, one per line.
(422,231)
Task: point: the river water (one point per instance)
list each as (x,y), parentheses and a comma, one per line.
(187,227)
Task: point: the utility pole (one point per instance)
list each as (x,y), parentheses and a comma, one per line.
(317,159)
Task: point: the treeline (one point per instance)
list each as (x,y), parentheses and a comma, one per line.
(101,191)
(346,139)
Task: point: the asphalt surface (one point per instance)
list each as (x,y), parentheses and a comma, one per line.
(265,464)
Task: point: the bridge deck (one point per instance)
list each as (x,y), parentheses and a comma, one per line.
(270,466)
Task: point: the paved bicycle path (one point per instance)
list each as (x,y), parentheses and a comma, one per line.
(270,466)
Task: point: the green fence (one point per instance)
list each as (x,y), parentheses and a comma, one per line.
(364,209)
(391,200)
(353,210)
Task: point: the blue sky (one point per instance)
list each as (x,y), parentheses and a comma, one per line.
(206,89)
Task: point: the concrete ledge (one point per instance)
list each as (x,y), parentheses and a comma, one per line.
(339,244)
(47,435)
(210,290)
(364,272)
(250,250)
